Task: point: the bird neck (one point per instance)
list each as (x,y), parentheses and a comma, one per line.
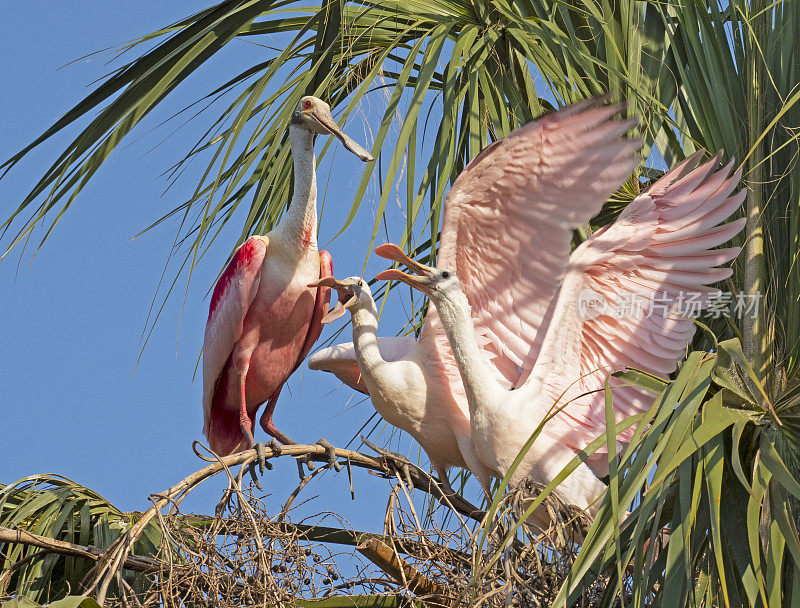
(481,387)
(300,222)
(365,338)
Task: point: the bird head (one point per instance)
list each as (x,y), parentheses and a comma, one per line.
(429,280)
(315,115)
(353,292)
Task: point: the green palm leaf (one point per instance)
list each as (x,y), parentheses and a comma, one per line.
(59,508)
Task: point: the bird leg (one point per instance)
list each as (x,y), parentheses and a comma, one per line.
(270,429)
(331,452)
(444,483)
(393,461)
(247,430)
(266,420)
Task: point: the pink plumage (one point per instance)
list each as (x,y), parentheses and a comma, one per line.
(514,314)
(657,259)
(263,318)
(509,218)
(258,330)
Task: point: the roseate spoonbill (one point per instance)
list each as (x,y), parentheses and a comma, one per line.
(410,383)
(576,157)
(263,318)
(659,249)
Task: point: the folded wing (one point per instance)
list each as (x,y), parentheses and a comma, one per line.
(340,360)
(233,294)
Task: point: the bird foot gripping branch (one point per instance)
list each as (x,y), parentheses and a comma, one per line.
(394,462)
(277,450)
(331,452)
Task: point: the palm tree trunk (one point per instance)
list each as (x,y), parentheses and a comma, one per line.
(754,326)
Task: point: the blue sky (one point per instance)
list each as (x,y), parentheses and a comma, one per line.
(74,314)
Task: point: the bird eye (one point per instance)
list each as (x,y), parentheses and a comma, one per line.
(307,104)
(445,274)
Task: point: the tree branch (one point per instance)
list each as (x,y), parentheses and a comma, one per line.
(51,545)
(342,536)
(387,559)
(116,557)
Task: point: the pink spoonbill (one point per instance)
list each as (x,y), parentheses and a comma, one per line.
(660,249)
(264,318)
(570,161)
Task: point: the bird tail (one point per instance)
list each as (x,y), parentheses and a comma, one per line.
(223,430)
(224,433)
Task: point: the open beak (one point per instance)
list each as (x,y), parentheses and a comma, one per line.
(344,293)
(420,280)
(324,119)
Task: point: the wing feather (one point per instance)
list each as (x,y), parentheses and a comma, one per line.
(230,300)
(510,215)
(340,360)
(658,250)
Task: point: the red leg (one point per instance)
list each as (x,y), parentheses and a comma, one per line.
(247,430)
(269,428)
(244,418)
(266,420)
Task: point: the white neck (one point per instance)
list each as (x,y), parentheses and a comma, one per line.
(300,221)
(365,338)
(483,390)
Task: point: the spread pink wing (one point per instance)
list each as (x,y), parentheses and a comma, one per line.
(340,360)
(232,296)
(510,215)
(631,291)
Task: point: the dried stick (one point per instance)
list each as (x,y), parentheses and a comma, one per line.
(117,553)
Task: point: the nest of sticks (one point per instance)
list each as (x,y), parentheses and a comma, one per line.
(434,551)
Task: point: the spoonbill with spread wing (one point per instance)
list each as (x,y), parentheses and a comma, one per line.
(569,161)
(658,250)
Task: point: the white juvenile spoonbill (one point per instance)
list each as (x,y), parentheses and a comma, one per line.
(658,250)
(410,383)
(571,161)
(263,318)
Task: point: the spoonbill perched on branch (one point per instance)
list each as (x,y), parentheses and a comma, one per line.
(572,160)
(658,249)
(263,318)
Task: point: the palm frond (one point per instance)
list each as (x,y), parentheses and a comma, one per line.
(704,472)
(59,508)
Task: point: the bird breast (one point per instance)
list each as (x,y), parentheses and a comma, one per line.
(277,322)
